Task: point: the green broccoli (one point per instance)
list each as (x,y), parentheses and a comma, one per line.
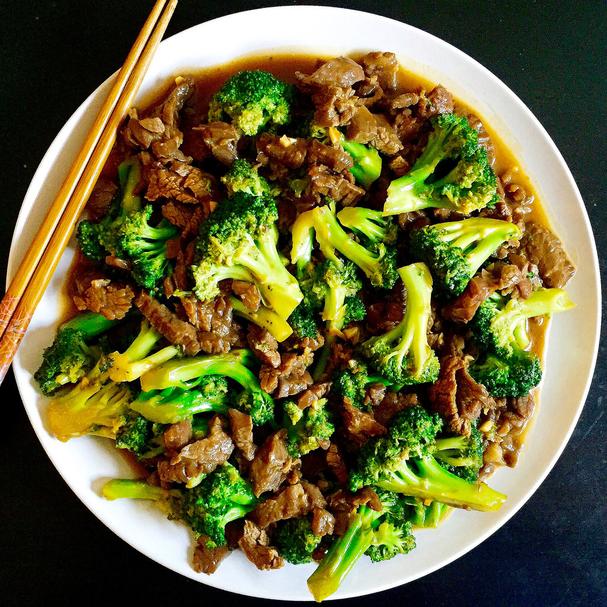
(369,223)
(352,383)
(187,373)
(378,262)
(244,177)
(307,429)
(125,488)
(71,356)
(456,250)
(425,516)
(254,101)
(296,541)
(402,355)
(264,317)
(303,321)
(173,405)
(140,436)
(404,462)
(461,455)
(506,368)
(146,246)
(222,496)
(239,241)
(381,535)
(453,172)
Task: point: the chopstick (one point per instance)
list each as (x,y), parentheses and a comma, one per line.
(33,276)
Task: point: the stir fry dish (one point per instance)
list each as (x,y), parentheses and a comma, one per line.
(309,306)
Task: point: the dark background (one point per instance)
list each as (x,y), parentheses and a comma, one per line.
(552,54)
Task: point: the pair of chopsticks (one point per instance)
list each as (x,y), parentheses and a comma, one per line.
(29,283)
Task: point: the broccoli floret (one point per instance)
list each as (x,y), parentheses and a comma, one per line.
(70,356)
(244,177)
(453,172)
(355,310)
(146,246)
(456,250)
(402,355)
(173,405)
(264,317)
(309,429)
(254,101)
(222,496)
(239,241)
(303,321)
(136,360)
(296,541)
(461,455)
(506,368)
(352,383)
(93,406)
(403,462)
(380,535)
(140,436)
(369,223)
(187,373)
(170,500)
(425,516)
(377,262)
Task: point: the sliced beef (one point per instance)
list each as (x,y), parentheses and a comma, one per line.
(325,183)
(456,397)
(271,464)
(496,277)
(285,151)
(213,320)
(199,457)
(342,505)
(97,293)
(334,158)
(336,464)
(375,130)
(167,323)
(342,72)
(248,293)
(221,140)
(176,181)
(255,543)
(207,559)
(101,198)
(438,101)
(391,404)
(290,377)
(359,426)
(264,346)
(382,65)
(182,215)
(312,395)
(546,251)
(177,436)
(323,522)
(241,429)
(294,501)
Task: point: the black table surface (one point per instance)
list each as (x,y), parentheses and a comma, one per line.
(553,552)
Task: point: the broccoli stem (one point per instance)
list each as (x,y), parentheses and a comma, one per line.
(89,324)
(119,488)
(266,318)
(362,219)
(431,481)
(343,555)
(129,175)
(367,162)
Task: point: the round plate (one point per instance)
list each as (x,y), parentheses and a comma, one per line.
(85,463)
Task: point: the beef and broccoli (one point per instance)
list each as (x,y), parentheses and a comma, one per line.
(311,310)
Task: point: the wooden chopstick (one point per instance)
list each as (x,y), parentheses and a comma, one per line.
(34,274)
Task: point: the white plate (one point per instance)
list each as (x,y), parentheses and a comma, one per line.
(86,462)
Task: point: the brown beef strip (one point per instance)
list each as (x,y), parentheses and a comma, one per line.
(336,464)
(207,559)
(271,464)
(391,404)
(375,130)
(284,151)
(290,377)
(264,346)
(312,394)
(341,72)
(101,198)
(241,428)
(176,181)
(359,426)
(384,66)
(95,292)
(334,158)
(220,138)
(342,504)
(199,457)
(176,331)
(456,397)
(248,293)
(255,543)
(323,522)
(322,182)
(177,436)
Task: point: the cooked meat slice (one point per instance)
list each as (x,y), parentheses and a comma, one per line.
(271,464)
(312,394)
(334,158)
(290,377)
(342,504)
(177,436)
(292,502)
(496,277)
(177,181)
(94,292)
(336,464)
(384,315)
(167,323)
(456,397)
(359,426)
(391,404)
(375,130)
(264,346)
(340,187)
(101,198)
(382,65)
(323,522)
(248,293)
(213,320)
(374,395)
(310,344)
(342,72)
(199,457)
(438,101)
(334,105)
(404,100)
(255,543)
(221,139)
(205,559)
(546,251)
(285,151)
(369,91)
(241,427)
(180,214)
